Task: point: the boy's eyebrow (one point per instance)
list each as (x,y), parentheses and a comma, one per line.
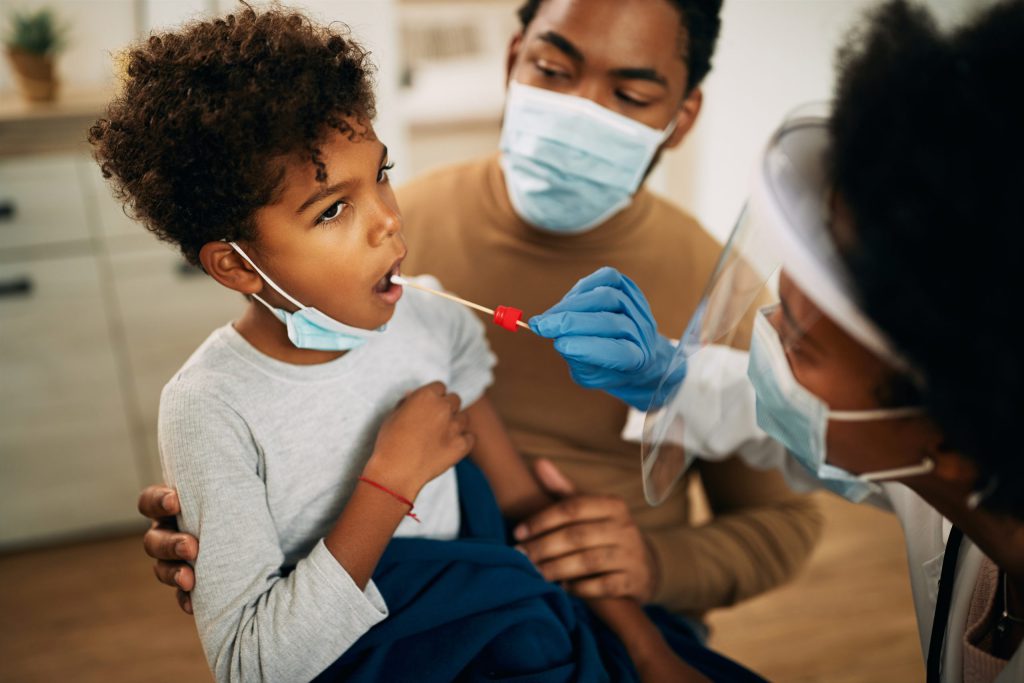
(562,43)
(325,192)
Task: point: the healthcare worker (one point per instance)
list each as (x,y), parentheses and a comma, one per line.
(887,367)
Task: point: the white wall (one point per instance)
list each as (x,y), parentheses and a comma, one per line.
(772,55)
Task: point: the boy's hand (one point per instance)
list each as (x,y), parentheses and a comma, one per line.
(423,437)
(589,543)
(171,549)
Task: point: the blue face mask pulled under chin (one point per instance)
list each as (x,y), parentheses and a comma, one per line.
(309,328)
(569,163)
(798,419)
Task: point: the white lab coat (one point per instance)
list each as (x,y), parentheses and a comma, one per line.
(718,408)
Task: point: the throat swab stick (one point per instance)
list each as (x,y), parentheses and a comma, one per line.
(504,316)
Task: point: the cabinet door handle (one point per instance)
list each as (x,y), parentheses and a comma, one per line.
(18,286)
(6,209)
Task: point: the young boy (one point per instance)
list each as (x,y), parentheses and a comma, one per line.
(246,141)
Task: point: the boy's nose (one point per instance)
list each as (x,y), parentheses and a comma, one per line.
(388,223)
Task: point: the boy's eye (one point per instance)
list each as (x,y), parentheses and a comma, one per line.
(332,213)
(382,174)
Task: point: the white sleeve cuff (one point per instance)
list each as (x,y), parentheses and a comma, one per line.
(366,606)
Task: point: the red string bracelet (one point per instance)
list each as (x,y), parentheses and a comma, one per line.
(394,495)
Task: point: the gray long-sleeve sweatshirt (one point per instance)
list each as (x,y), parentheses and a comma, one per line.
(265,454)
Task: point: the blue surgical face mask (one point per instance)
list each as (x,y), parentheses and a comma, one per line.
(798,419)
(309,328)
(569,163)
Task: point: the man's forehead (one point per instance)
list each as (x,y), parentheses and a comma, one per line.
(617,33)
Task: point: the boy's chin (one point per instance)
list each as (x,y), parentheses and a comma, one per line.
(381,316)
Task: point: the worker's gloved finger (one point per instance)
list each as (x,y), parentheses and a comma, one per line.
(602,277)
(571,324)
(593,300)
(610,278)
(609,354)
(604,300)
(593,377)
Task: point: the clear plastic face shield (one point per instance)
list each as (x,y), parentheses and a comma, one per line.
(785,225)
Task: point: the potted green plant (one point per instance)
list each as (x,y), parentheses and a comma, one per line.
(33,40)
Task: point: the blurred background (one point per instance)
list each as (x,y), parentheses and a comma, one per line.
(95,316)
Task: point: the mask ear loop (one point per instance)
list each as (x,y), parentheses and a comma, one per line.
(266,279)
(978,497)
(926,465)
(877,414)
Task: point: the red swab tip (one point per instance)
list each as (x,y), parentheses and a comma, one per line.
(507,317)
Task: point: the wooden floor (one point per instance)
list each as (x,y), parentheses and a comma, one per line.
(92,612)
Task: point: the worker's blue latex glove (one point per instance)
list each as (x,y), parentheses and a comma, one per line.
(604,329)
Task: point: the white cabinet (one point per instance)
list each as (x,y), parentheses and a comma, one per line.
(95,317)
(41,202)
(167,310)
(66,460)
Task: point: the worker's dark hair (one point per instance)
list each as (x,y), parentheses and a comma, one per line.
(194,140)
(928,154)
(700,22)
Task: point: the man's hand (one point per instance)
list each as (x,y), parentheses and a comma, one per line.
(171,549)
(590,544)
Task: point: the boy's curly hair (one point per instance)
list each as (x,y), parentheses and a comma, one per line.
(190,141)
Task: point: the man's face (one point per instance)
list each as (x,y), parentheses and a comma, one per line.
(332,245)
(625,55)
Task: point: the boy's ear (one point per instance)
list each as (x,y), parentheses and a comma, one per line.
(513,54)
(224,265)
(685,117)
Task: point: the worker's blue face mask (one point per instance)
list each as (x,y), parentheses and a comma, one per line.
(309,328)
(569,163)
(798,419)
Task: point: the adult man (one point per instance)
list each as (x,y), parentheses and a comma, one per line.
(597,90)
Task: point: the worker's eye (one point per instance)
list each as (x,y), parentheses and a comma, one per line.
(331,214)
(382,174)
(790,341)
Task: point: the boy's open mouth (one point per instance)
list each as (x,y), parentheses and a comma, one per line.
(386,289)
